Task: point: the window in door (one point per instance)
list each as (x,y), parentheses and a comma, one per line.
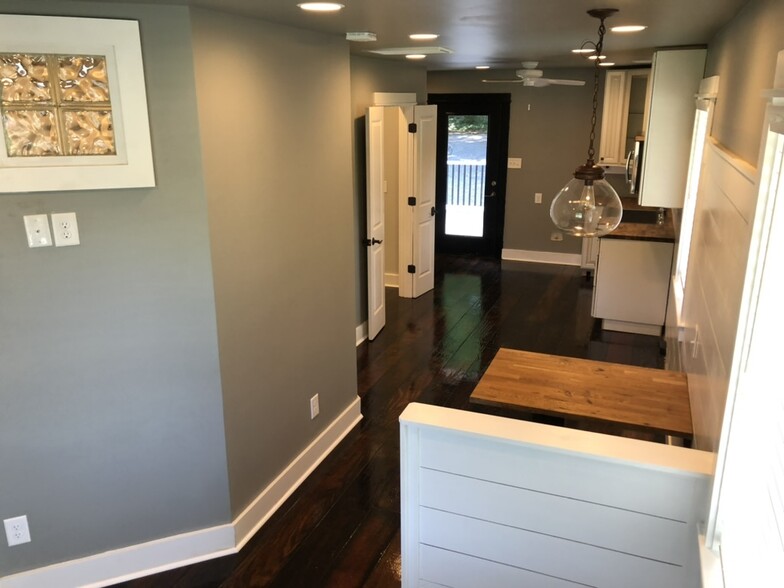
(466,171)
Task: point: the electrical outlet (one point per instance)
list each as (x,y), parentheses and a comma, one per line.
(537,198)
(17,531)
(66,231)
(37,229)
(314,407)
(556,236)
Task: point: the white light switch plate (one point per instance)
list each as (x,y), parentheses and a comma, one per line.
(37,229)
(514,162)
(66,231)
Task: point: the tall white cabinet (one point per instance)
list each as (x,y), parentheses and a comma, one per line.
(675,80)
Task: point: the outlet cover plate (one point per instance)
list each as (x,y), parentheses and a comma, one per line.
(17,531)
(37,230)
(66,231)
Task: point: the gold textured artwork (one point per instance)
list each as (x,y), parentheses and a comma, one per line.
(72,116)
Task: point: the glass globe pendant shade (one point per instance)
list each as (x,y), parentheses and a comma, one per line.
(586,208)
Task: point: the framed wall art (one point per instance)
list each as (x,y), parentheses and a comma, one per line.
(73,105)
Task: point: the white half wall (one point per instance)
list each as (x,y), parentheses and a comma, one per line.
(489,501)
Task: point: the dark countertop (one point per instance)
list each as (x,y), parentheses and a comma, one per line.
(644,231)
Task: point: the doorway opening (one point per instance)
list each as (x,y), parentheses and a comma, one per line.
(471,152)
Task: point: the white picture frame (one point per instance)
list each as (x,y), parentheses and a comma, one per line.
(119,42)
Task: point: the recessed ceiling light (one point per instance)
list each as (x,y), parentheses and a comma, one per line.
(321,6)
(415,56)
(482,67)
(628,29)
(583,50)
(423,36)
(606,63)
(597,57)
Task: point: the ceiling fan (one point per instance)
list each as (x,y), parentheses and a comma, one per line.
(530,76)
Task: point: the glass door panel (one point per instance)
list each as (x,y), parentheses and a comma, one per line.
(466,173)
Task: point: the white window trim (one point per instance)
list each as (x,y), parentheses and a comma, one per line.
(705,102)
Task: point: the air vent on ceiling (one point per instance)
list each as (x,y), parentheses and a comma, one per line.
(410,50)
(361,37)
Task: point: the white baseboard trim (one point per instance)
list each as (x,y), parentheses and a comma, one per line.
(541,257)
(152,557)
(270,499)
(362,333)
(391,281)
(121,565)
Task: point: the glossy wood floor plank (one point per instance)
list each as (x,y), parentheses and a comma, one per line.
(341,527)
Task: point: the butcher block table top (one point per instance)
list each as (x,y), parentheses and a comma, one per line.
(638,398)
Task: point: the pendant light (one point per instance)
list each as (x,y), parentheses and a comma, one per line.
(588,206)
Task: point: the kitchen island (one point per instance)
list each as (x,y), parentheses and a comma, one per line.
(632,279)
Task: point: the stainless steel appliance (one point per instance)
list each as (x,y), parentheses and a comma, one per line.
(634,165)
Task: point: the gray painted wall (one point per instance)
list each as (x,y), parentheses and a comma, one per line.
(274,109)
(744,54)
(111,425)
(548,129)
(370,75)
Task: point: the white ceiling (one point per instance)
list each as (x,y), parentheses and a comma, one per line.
(502,33)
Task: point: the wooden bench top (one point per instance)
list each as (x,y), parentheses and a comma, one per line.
(640,398)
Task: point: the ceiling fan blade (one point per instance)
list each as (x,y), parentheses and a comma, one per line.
(566,82)
(515,81)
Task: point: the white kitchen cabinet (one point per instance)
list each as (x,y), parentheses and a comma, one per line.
(623,114)
(675,80)
(632,283)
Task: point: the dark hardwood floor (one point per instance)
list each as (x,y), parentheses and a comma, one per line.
(341,528)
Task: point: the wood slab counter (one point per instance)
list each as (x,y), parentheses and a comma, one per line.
(638,398)
(644,231)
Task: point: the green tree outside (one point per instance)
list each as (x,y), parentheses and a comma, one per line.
(467,123)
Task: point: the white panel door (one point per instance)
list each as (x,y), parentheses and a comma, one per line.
(374,133)
(424,173)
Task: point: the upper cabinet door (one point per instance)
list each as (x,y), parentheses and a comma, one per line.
(623,113)
(616,104)
(675,80)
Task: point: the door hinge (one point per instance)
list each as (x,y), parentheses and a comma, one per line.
(412,128)
(411,269)
(412,201)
